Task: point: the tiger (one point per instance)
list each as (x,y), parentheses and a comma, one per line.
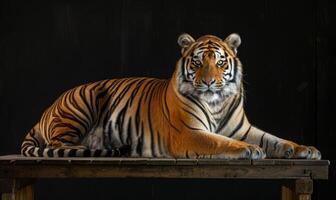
(197,113)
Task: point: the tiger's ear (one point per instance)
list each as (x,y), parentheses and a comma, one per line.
(234,41)
(185,40)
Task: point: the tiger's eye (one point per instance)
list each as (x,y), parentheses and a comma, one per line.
(198,63)
(220,63)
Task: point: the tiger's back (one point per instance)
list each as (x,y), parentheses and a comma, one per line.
(101,117)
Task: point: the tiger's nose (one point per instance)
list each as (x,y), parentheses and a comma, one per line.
(208,82)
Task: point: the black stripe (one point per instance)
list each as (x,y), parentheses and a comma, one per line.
(139,146)
(100,84)
(188,106)
(35,142)
(167,107)
(189,127)
(29,152)
(73,135)
(266,146)
(60,153)
(121,96)
(25,151)
(119,123)
(50,152)
(151,132)
(125,150)
(86,114)
(109,153)
(60,122)
(139,106)
(73,117)
(39,152)
(97,153)
(63,140)
(87,102)
(149,91)
(187,154)
(246,134)
(195,116)
(190,98)
(262,140)
(72,153)
(87,153)
(227,117)
(107,102)
(135,90)
(71,101)
(115,86)
(159,142)
(129,131)
(219,111)
(240,124)
(183,67)
(275,144)
(165,103)
(109,131)
(69,133)
(235,69)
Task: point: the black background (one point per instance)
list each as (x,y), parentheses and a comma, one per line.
(287,52)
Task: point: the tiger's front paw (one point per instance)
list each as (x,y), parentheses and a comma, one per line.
(253,152)
(288,149)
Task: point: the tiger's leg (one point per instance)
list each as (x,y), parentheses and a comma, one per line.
(60,143)
(64,136)
(198,144)
(280,148)
(71,118)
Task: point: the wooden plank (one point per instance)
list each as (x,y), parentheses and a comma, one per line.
(17,166)
(134,161)
(161,161)
(223,162)
(290,162)
(162,171)
(186,161)
(311,162)
(18,159)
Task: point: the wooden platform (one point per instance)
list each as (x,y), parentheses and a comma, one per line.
(19,172)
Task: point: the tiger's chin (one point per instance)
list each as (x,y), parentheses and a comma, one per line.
(210,97)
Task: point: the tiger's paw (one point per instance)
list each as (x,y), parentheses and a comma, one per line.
(242,151)
(253,152)
(246,151)
(288,149)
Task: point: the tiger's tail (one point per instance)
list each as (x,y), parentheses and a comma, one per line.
(33,145)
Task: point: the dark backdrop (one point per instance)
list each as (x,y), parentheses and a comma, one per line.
(287,46)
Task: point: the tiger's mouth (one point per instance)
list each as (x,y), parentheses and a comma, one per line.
(209,89)
(208,92)
(214,93)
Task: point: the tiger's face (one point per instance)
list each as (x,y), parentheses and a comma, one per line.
(209,68)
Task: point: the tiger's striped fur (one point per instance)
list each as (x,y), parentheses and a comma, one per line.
(197,113)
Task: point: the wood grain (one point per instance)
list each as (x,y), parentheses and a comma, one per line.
(15,166)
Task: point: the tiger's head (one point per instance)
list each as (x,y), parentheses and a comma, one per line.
(209,68)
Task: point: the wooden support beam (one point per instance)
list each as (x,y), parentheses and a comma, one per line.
(299,189)
(17,189)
